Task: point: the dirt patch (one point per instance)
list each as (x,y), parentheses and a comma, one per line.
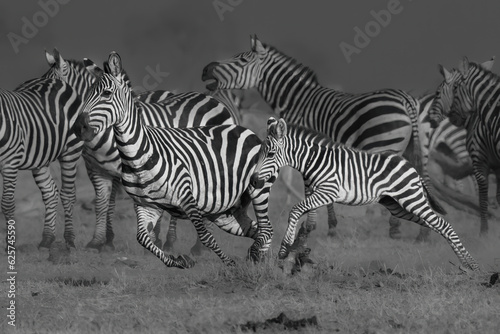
(281,322)
(80,282)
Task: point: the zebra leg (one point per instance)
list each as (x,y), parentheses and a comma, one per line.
(8,199)
(9,189)
(103,185)
(171,237)
(332,221)
(264,234)
(312,218)
(198,247)
(481,174)
(424,215)
(147,217)
(394,224)
(497,175)
(68,164)
(110,235)
(317,199)
(206,238)
(50,197)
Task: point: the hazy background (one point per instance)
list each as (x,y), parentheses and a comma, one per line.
(182,36)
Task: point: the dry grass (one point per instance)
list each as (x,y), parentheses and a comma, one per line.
(364,282)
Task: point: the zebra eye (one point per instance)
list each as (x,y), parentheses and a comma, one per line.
(271,154)
(106,93)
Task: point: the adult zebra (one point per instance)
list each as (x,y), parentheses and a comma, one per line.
(192,172)
(475,106)
(385,120)
(336,173)
(35,123)
(157,108)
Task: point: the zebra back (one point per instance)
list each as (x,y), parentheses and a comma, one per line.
(42,112)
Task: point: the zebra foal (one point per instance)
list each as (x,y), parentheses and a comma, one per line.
(334,173)
(375,121)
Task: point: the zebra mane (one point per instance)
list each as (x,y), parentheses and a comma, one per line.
(79,66)
(308,72)
(489,74)
(300,131)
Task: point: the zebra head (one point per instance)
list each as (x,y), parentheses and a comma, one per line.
(271,154)
(462,105)
(443,99)
(107,102)
(243,71)
(70,71)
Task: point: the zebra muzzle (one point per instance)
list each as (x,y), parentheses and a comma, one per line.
(82,128)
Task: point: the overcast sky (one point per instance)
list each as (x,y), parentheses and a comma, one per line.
(180,37)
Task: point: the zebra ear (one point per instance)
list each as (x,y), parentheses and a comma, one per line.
(54,58)
(488,65)
(115,64)
(463,67)
(257,45)
(281,129)
(50,58)
(447,75)
(93,68)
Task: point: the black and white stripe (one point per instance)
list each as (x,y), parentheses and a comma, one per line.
(157,108)
(385,120)
(335,173)
(196,173)
(476,106)
(35,123)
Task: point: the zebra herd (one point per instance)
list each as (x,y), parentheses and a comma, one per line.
(187,155)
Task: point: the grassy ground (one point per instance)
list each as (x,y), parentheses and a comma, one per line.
(364,282)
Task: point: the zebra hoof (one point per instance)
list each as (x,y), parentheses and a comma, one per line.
(184,262)
(395,234)
(94,245)
(46,242)
(255,255)
(230,263)
(108,247)
(70,244)
(332,233)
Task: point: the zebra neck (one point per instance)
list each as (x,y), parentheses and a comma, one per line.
(283,78)
(132,139)
(303,150)
(486,94)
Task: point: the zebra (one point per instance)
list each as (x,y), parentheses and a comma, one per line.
(340,174)
(35,123)
(475,106)
(377,121)
(157,108)
(196,173)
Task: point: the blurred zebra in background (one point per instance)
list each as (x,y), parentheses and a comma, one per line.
(336,173)
(102,160)
(475,106)
(196,173)
(35,123)
(385,120)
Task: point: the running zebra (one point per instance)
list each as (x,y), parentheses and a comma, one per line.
(385,120)
(196,173)
(335,173)
(35,122)
(157,108)
(476,97)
